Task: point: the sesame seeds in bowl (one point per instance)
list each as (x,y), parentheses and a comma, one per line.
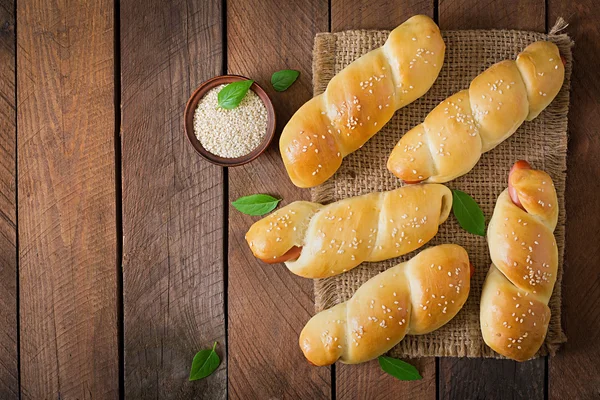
(229,137)
(230,133)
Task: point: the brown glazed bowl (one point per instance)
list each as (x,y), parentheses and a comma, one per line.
(192,104)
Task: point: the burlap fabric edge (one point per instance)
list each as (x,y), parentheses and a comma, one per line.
(449,341)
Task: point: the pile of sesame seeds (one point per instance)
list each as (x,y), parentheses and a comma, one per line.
(230,133)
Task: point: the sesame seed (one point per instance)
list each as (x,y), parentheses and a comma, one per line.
(230,133)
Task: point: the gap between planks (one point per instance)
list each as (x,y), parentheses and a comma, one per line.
(119,197)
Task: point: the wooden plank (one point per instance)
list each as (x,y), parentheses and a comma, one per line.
(67,210)
(491,378)
(268,305)
(368,14)
(354,382)
(472,378)
(575,372)
(368,381)
(9,374)
(173,284)
(493,14)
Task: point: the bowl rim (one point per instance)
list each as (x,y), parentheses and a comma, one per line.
(192,104)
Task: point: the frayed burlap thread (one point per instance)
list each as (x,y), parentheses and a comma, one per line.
(543,142)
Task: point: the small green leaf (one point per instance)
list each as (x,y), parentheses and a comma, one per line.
(205,363)
(468,213)
(399,369)
(232,95)
(256,204)
(281,80)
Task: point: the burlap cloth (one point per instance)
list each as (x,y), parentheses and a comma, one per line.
(543,142)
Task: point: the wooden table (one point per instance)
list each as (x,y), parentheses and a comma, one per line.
(120,256)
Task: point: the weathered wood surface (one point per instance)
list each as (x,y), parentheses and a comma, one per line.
(268,305)
(9,374)
(367,14)
(368,381)
(173,275)
(575,372)
(496,14)
(491,378)
(67,200)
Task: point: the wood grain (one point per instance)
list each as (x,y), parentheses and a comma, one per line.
(67,210)
(368,14)
(492,14)
(575,372)
(9,374)
(491,378)
(173,284)
(368,381)
(268,305)
(352,382)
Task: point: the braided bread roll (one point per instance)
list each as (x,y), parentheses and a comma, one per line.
(360,100)
(412,298)
(453,136)
(514,302)
(317,241)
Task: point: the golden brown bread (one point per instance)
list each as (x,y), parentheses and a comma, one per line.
(339,236)
(360,100)
(454,135)
(514,302)
(412,298)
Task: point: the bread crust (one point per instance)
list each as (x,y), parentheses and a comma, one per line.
(453,136)
(339,236)
(411,298)
(514,309)
(360,100)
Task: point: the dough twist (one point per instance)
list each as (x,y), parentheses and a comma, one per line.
(412,298)
(318,241)
(514,303)
(360,100)
(453,136)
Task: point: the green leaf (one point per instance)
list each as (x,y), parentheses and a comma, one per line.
(205,363)
(399,369)
(231,95)
(468,213)
(256,204)
(281,80)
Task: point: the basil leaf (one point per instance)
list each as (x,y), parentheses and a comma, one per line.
(399,369)
(281,80)
(256,204)
(468,213)
(205,363)
(232,95)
